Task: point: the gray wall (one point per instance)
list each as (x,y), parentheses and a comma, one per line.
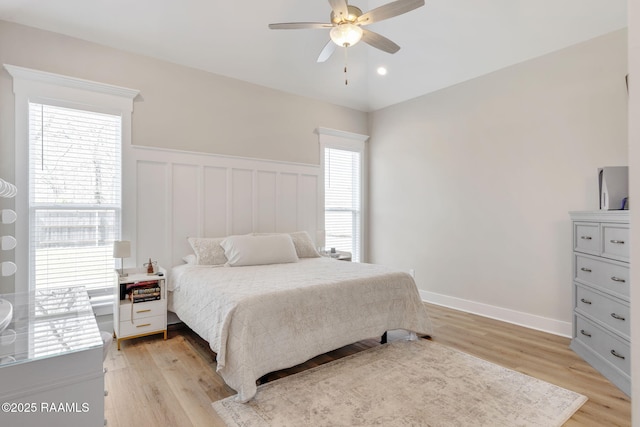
(471,186)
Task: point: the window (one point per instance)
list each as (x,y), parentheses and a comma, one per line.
(342,166)
(74,196)
(342,200)
(69,136)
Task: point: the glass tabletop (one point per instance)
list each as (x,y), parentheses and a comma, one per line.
(46,323)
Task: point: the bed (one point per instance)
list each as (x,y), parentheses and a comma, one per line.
(266,317)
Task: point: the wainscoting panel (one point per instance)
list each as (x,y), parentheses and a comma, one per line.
(267,183)
(172,195)
(153,197)
(185,208)
(287,205)
(242,195)
(216,215)
(310,203)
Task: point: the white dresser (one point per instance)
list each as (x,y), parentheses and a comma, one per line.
(51,361)
(601,289)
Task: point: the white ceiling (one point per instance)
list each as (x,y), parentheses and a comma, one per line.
(443,43)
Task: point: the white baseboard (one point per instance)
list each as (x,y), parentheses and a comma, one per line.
(531,321)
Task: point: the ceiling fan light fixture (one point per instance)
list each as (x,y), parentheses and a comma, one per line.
(346,34)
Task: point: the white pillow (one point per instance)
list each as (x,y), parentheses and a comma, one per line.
(302,242)
(259,250)
(208,250)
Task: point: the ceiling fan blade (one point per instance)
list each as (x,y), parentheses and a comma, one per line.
(327,51)
(389,10)
(339,8)
(379,42)
(300,25)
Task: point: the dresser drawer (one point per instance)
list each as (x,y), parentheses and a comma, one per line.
(609,347)
(615,239)
(142,310)
(614,278)
(142,326)
(586,237)
(614,314)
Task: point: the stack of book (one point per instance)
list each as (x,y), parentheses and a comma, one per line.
(144,291)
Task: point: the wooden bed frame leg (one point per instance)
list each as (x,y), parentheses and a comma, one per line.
(383,339)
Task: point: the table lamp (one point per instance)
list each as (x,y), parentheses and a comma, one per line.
(122,249)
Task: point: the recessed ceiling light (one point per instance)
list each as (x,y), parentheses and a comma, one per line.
(382,71)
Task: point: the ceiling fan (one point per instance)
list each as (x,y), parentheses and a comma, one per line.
(347,22)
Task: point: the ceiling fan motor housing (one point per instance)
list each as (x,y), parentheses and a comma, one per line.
(354,13)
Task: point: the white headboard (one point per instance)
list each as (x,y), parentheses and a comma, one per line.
(170,195)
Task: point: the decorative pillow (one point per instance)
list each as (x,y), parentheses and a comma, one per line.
(259,250)
(208,250)
(304,245)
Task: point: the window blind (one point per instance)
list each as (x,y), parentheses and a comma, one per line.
(74,197)
(342,178)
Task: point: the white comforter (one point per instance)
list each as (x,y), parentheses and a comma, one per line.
(260,319)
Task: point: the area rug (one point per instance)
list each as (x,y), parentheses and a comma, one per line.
(405,383)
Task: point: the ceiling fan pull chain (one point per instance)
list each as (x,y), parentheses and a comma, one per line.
(346,80)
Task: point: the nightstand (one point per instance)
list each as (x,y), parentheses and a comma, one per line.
(148,314)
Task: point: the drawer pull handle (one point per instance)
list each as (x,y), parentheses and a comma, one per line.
(585,301)
(615,316)
(586,334)
(143,326)
(615,353)
(617,242)
(617,279)
(588,270)
(585,237)
(148,310)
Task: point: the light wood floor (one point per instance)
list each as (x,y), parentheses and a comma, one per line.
(152,382)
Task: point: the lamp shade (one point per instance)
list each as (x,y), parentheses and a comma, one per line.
(121,249)
(346,34)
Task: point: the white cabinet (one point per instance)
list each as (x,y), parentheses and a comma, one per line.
(601,289)
(51,364)
(133,320)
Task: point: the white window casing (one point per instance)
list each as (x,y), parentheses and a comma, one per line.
(99,116)
(343,166)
